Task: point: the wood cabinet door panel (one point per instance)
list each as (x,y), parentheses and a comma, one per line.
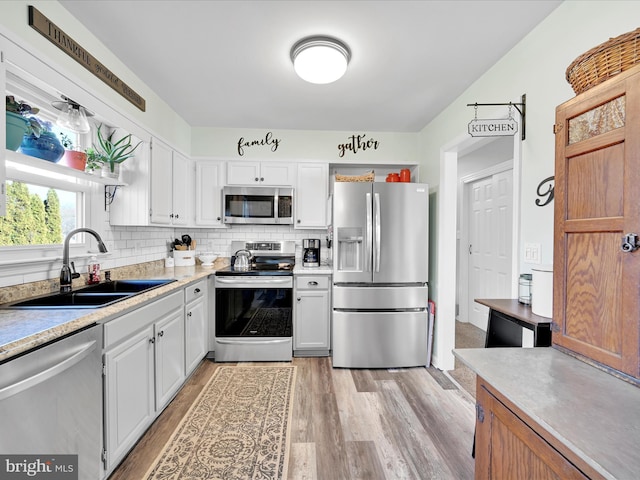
(506,447)
(596,284)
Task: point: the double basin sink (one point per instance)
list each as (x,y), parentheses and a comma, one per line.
(93,296)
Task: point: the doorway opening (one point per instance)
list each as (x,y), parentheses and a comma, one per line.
(471,159)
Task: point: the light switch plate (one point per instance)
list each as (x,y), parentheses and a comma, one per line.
(532,253)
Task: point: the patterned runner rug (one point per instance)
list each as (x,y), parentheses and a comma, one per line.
(236,429)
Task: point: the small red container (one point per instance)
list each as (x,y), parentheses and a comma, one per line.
(405,175)
(393,177)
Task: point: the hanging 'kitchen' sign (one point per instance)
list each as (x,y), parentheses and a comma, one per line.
(267,141)
(55,35)
(493,128)
(357,143)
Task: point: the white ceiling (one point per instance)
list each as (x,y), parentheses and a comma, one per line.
(226,63)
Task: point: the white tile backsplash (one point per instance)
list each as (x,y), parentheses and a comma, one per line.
(132,245)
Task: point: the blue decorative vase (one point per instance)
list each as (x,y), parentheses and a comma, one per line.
(16,127)
(47,147)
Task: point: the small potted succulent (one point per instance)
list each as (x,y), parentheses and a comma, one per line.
(72,157)
(94,160)
(40,142)
(16,112)
(113,153)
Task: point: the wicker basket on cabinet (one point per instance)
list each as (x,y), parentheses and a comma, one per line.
(604,61)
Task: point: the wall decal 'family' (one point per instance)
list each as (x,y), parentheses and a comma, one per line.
(268,141)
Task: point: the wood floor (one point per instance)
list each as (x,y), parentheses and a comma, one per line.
(351,424)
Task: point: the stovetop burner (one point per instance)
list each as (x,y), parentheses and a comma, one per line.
(269,258)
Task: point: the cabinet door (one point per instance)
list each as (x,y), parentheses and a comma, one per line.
(169,341)
(311,331)
(243,173)
(596,306)
(129,397)
(182,188)
(506,447)
(277,174)
(209,181)
(312,190)
(161,183)
(196,334)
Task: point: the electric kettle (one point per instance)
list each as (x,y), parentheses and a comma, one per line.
(242,260)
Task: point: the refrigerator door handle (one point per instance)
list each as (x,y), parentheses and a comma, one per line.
(377,246)
(369,233)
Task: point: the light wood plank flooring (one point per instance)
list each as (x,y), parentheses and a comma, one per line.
(351,424)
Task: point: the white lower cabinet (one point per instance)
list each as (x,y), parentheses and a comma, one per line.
(169,343)
(312,316)
(196,325)
(129,396)
(143,368)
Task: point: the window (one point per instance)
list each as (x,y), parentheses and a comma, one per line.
(38,215)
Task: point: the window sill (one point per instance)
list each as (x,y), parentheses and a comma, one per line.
(20,161)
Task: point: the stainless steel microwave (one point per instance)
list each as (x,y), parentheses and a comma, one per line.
(258,205)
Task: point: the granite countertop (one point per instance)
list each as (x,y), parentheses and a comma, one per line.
(23,330)
(595,414)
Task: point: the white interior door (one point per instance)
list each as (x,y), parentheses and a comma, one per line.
(490,226)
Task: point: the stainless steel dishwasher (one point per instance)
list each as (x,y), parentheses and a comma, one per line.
(51,401)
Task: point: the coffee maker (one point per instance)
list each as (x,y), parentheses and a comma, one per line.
(310,252)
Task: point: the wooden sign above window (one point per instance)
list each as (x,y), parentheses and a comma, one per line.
(55,35)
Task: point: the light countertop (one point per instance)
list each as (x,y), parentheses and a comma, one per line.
(595,414)
(23,330)
(323,269)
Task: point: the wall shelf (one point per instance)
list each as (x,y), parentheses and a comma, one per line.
(20,159)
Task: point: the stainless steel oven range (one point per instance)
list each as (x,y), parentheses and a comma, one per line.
(254,306)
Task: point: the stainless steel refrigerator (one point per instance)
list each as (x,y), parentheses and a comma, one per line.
(380,274)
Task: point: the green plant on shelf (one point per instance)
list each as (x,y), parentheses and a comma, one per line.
(112,152)
(94,160)
(19,107)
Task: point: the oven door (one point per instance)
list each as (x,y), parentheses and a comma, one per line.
(253,318)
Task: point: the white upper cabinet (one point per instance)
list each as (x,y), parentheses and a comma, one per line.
(158,189)
(161,188)
(260,173)
(209,181)
(311,195)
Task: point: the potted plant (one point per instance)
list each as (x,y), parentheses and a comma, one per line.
(94,160)
(113,153)
(40,142)
(72,157)
(16,111)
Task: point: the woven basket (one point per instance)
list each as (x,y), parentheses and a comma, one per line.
(366,177)
(604,61)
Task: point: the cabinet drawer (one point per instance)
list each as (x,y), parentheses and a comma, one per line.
(195,290)
(312,282)
(129,323)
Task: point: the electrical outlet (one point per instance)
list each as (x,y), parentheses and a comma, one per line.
(532,253)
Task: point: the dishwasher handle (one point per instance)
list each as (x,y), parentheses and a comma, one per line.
(44,375)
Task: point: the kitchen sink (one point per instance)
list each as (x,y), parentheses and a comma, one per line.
(94,296)
(124,286)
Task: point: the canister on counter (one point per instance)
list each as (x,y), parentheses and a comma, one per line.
(524,288)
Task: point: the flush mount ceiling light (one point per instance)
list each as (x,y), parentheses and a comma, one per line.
(73,116)
(320,59)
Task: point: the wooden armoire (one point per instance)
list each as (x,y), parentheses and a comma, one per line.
(596,302)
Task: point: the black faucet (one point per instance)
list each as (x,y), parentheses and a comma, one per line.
(67,274)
